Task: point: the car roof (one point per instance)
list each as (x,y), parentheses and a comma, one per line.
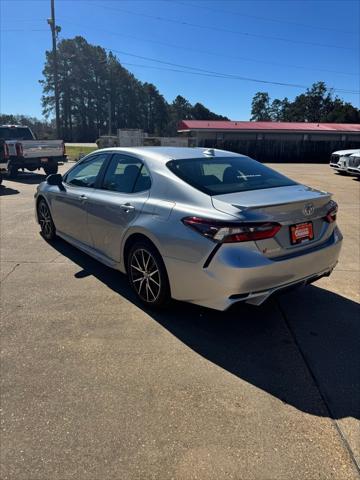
(164,154)
(14,126)
(344,152)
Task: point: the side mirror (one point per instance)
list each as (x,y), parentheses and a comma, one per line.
(55,179)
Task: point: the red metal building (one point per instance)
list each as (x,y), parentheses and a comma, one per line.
(274,141)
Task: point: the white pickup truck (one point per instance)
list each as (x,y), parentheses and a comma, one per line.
(26,152)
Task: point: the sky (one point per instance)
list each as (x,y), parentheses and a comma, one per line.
(291,42)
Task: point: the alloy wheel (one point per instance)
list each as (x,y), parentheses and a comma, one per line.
(45,220)
(145,275)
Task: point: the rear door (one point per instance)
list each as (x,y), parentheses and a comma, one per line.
(117,203)
(69,207)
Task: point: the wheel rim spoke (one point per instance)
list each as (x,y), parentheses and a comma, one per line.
(138,264)
(137,268)
(145,275)
(149,288)
(154,281)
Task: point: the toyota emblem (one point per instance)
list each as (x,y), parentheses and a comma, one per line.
(308,209)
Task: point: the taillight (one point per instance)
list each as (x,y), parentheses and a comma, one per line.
(231,232)
(331,215)
(19,150)
(6,152)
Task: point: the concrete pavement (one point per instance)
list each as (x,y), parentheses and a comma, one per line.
(93,386)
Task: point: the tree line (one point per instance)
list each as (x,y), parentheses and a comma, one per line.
(43,129)
(95,89)
(317,104)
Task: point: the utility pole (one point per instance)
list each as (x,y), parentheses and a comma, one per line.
(110,92)
(54,31)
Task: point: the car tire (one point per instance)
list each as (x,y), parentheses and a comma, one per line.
(48,229)
(12,171)
(50,169)
(147,275)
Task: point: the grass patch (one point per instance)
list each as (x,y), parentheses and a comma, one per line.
(73,153)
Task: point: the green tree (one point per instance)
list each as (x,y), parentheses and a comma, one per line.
(156,110)
(95,89)
(317,104)
(41,128)
(200,112)
(276,110)
(260,107)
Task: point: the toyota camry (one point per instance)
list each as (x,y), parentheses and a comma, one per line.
(205,226)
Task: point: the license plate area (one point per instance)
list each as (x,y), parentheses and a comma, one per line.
(301,232)
(44,160)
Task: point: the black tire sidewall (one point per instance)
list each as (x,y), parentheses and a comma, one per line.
(12,171)
(51,169)
(53,229)
(164,297)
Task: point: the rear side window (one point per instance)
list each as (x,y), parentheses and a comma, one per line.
(126,175)
(218,176)
(15,133)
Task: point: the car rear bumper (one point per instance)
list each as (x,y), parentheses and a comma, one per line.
(35,162)
(239,274)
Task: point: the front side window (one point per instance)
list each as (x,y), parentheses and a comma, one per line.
(218,176)
(126,175)
(86,173)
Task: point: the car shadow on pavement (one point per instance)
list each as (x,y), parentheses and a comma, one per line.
(4,190)
(301,347)
(28,178)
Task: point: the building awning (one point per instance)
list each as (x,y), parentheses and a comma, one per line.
(240,126)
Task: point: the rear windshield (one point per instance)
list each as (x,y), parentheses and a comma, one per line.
(15,133)
(217,176)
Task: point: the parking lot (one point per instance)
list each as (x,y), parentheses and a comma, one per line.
(94,387)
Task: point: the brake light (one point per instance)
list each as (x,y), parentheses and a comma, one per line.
(331,215)
(19,150)
(231,232)
(6,152)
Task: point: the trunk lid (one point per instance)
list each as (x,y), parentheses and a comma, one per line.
(288,206)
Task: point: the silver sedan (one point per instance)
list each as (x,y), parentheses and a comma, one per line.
(204,226)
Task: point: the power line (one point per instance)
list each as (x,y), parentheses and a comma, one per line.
(266,19)
(23,30)
(222,75)
(227,77)
(26,20)
(220,29)
(206,52)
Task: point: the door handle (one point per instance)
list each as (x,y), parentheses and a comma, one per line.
(127,207)
(83,197)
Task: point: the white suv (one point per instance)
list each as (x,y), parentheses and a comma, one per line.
(354,164)
(340,159)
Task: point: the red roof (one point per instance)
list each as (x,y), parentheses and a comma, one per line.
(272,126)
